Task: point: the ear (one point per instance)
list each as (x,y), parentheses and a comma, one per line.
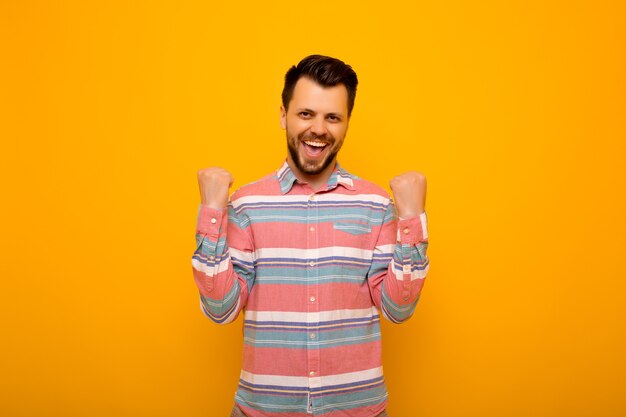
(283,118)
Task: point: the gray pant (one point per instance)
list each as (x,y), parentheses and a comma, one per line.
(236,412)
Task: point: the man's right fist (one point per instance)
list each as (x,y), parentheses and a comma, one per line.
(214,184)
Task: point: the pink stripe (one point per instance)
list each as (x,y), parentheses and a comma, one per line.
(286,297)
(300,235)
(293,362)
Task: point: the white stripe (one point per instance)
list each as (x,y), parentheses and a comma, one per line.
(211,270)
(345,180)
(420,274)
(201,267)
(282,169)
(368,198)
(254,199)
(415,275)
(242,255)
(312,317)
(223,265)
(280,380)
(399,274)
(303,381)
(386,249)
(332,217)
(313,253)
(303,198)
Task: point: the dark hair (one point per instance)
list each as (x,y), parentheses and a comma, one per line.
(324,70)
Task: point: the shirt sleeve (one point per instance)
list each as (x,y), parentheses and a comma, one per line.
(399,265)
(223,262)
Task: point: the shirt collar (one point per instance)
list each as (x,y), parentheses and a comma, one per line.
(286,178)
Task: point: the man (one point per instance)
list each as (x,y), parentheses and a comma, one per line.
(311,254)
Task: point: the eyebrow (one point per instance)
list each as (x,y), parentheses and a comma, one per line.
(339,115)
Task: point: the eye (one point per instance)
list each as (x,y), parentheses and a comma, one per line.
(304,114)
(333,118)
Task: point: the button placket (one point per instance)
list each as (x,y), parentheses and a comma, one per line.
(313,307)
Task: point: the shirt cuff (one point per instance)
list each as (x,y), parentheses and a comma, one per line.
(414,230)
(210,220)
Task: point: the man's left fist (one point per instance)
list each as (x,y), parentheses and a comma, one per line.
(409,193)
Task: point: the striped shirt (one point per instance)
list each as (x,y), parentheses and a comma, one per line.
(312,272)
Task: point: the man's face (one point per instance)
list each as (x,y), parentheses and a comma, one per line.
(316,124)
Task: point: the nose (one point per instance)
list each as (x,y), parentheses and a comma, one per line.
(318,127)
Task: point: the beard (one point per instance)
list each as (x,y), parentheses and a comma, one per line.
(303,165)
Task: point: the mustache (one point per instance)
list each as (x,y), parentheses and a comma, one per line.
(322,138)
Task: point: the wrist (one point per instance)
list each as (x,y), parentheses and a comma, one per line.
(217,205)
(409,214)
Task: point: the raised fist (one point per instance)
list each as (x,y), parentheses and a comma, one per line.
(214,183)
(409,193)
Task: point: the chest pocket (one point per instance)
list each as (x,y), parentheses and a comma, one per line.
(354,244)
(353,227)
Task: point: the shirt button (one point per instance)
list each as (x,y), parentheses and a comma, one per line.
(212,258)
(312,228)
(406,269)
(312,198)
(312,263)
(312,336)
(312,373)
(406,231)
(213,220)
(312,299)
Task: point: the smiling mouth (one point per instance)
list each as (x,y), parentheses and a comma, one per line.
(314,148)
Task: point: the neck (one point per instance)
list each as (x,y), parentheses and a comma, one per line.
(315,181)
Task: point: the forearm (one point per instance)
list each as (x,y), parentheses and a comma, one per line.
(407,270)
(221,272)
(398,284)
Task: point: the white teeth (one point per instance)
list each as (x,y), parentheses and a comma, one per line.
(316,144)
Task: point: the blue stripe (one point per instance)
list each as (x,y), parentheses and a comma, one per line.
(326,338)
(322,323)
(319,203)
(305,330)
(241,262)
(221,310)
(277,403)
(414,267)
(203,258)
(258,387)
(307,260)
(395,312)
(356,279)
(359,384)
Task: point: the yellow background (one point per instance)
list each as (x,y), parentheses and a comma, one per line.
(514,111)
